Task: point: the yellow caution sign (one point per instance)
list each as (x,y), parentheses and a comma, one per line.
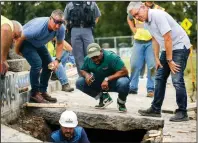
(186,24)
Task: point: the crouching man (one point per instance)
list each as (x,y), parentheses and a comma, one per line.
(102,72)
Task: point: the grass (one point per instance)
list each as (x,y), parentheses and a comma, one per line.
(187,73)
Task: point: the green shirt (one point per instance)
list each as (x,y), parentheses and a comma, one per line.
(110,64)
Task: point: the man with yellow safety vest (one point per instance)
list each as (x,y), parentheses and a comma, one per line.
(142,51)
(10,31)
(60,73)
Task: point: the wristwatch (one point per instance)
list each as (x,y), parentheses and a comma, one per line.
(106,79)
(58,60)
(168,61)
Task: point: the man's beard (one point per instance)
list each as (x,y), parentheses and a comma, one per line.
(68,135)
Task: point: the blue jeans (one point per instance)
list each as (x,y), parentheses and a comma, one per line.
(120,85)
(80,39)
(142,52)
(179,57)
(60,72)
(38,58)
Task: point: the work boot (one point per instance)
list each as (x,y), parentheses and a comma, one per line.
(66,87)
(47,97)
(179,116)
(132,92)
(54,77)
(150,94)
(150,112)
(121,107)
(105,100)
(36,97)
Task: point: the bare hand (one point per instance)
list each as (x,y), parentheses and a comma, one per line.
(4,68)
(105,85)
(53,65)
(89,79)
(158,64)
(174,67)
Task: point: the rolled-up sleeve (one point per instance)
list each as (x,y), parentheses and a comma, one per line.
(97,10)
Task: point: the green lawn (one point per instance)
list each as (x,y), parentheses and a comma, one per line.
(187,73)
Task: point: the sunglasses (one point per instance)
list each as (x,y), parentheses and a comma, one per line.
(57,21)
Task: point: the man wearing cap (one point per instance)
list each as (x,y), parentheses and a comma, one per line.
(170,36)
(102,72)
(69,131)
(11,30)
(142,52)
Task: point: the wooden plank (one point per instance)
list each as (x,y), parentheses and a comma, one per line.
(45,105)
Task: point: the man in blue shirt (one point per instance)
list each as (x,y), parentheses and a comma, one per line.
(31,45)
(171,37)
(69,132)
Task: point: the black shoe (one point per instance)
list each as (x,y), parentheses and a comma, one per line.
(179,116)
(67,88)
(54,77)
(150,112)
(132,92)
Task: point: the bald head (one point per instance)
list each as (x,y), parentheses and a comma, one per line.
(17,29)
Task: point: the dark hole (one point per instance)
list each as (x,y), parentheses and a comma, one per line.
(113,136)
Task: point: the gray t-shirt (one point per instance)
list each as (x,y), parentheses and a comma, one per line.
(159,23)
(37,33)
(70,6)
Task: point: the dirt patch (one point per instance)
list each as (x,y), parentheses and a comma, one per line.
(32,125)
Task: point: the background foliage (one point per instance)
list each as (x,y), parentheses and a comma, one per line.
(113,19)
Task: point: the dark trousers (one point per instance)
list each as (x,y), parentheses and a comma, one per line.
(38,58)
(179,57)
(120,85)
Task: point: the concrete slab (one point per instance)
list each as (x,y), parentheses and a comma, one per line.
(10,135)
(108,118)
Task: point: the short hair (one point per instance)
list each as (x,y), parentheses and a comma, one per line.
(57,12)
(133,5)
(17,26)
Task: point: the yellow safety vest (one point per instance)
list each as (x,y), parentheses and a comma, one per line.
(51,48)
(4,20)
(141,33)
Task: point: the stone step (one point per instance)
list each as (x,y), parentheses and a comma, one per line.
(11,135)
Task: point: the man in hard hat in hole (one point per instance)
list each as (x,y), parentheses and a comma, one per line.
(69,131)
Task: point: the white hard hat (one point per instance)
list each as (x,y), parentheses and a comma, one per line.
(68,119)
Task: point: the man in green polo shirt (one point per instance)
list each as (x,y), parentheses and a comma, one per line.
(102,72)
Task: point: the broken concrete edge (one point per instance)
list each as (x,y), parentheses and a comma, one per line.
(155,136)
(11,135)
(102,120)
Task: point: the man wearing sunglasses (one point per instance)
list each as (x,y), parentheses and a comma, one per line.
(36,33)
(171,37)
(142,53)
(10,31)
